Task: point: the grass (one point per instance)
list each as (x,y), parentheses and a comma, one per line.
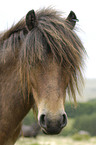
(81,137)
(55,140)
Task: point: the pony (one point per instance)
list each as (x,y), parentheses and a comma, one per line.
(41,61)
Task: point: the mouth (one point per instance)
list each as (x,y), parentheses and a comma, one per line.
(44,131)
(51,131)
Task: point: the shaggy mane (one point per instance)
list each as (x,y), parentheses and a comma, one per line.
(52,35)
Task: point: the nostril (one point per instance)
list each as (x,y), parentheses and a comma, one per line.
(43,121)
(64,120)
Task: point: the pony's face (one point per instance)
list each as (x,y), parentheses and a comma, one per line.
(54,59)
(49,92)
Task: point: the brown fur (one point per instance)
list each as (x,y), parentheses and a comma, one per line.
(22,50)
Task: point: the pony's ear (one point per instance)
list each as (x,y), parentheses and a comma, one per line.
(72,19)
(31,20)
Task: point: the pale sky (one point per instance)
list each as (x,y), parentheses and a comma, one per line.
(11,11)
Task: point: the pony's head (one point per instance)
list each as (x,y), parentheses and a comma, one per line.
(51,62)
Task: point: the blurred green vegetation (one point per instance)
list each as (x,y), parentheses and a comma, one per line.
(87,123)
(30,118)
(86,108)
(80,137)
(82,117)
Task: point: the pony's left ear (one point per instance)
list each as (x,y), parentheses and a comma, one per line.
(31,20)
(72,19)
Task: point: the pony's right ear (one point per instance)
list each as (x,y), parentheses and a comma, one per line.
(31,20)
(72,19)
